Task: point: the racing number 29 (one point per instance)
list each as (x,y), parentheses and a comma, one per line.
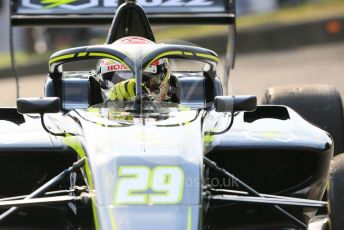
(142,185)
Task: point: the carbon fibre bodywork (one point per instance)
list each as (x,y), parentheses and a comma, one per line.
(279,154)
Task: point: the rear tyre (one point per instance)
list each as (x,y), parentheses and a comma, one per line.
(336,193)
(319,104)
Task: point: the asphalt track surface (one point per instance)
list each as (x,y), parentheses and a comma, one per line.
(253,73)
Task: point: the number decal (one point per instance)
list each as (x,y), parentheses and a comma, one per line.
(132,184)
(167,185)
(141,185)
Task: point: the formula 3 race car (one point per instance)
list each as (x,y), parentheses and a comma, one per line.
(76,160)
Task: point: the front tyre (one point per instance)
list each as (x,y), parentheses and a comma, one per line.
(336,193)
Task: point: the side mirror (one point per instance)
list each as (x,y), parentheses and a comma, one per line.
(235,103)
(38,105)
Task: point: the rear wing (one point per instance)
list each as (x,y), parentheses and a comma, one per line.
(100,12)
(128,20)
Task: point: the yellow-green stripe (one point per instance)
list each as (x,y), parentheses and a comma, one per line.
(95,216)
(67,56)
(113,221)
(93,199)
(82,54)
(189,224)
(165,54)
(212,57)
(72,142)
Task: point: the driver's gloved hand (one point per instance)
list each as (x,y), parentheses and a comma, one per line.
(125,91)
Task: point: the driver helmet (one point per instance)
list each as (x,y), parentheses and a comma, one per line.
(155,77)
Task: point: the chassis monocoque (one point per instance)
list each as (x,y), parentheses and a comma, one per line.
(73,160)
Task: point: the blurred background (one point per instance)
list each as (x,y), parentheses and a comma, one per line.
(278,42)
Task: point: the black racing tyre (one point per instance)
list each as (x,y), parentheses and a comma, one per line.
(336,193)
(319,104)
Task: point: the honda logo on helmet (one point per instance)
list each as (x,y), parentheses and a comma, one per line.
(116,67)
(65,4)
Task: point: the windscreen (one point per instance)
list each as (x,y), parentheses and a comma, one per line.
(174,93)
(164,80)
(123,113)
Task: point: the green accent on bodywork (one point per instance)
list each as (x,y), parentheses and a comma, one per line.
(63,57)
(208,56)
(184,108)
(90,182)
(185,54)
(113,221)
(189,224)
(93,110)
(164,54)
(208,138)
(55,3)
(73,142)
(83,54)
(95,217)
